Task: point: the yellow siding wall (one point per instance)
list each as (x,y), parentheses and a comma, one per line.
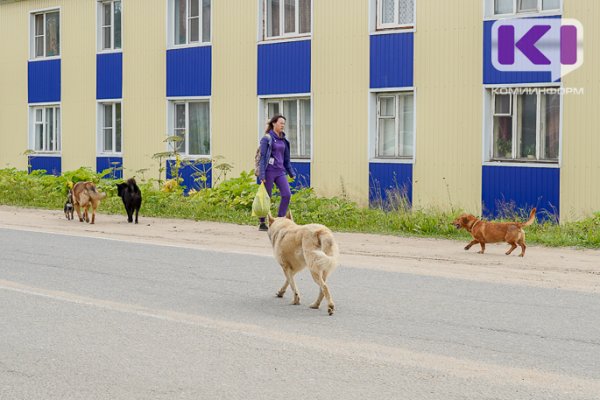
(144,85)
(340,87)
(580,172)
(449,98)
(78,91)
(14,48)
(234,106)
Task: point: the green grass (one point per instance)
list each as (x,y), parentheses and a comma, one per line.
(232,200)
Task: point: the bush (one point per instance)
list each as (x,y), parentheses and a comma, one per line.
(231,201)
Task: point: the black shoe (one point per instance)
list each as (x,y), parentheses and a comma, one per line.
(263,227)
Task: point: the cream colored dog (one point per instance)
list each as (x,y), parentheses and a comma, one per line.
(299,246)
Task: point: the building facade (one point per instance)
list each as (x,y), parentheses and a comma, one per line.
(379,95)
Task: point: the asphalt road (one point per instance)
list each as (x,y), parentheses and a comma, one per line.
(84,318)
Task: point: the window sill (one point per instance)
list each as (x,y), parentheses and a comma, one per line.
(395,29)
(37,59)
(300,160)
(521,163)
(45,154)
(392,160)
(106,155)
(282,39)
(110,51)
(189,45)
(551,13)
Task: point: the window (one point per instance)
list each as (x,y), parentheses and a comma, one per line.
(110,135)
(191,122)
(45,34)
(298,123)
(45,132)
(109,13)
(525,6)
(190,21)
(285,18)
(526,125)
(395,14)
(395,125)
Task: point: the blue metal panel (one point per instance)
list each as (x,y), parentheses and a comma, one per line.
(386,178)
(43,81)
(509,189)
(103,163)
(492,76)
(284,68)
(109,76)
(189,175)
(189,72)
(392,60)
(52,165)
(302,175)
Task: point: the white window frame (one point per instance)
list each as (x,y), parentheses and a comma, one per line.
(102,129)
(301,134)
(172,119)
(171,25)
(284,36)
(400,98)
(101,25)
(32,35)
(514,113)
(491,13)
(394,25)
(57,131)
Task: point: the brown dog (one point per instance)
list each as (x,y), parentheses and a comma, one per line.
(494,232)
(85,195)
(299,246)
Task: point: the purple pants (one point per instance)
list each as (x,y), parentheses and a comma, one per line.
(284,189)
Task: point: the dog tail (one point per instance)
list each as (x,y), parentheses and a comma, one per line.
(325,251)
(132,185)
(94,194)
(531,218)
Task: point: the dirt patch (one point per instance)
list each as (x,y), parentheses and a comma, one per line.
(558,268)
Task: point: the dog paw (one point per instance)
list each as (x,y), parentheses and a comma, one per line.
(467,247)
(314,306)
(521,255)
(330,309)
(296,301)
(279,294)
(480,252)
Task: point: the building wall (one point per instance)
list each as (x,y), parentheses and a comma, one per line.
(448,82)
(580,170)
(13,84)
(234,105)
(340,86)
(78,91)
(144,85)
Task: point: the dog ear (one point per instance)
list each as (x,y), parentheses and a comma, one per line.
(464,220)
(288,215)
(270,219)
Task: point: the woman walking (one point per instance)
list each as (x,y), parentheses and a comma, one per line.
(275,165)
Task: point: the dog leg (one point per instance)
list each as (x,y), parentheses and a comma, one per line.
(93,213)
(482,248)
(467,247)
(512,247)
(327,294)
(281,291)
(317,302)
(129,214)
(137,210)
(523,247)
(78,212)
(290,278)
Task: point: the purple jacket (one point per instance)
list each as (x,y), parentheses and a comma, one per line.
(265,154)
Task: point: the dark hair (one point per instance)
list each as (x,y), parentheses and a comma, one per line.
(272,122)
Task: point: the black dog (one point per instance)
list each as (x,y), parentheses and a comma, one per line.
(132,198)
(69,206)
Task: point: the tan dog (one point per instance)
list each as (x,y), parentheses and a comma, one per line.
(85,195)
(299,246)
(494,232)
